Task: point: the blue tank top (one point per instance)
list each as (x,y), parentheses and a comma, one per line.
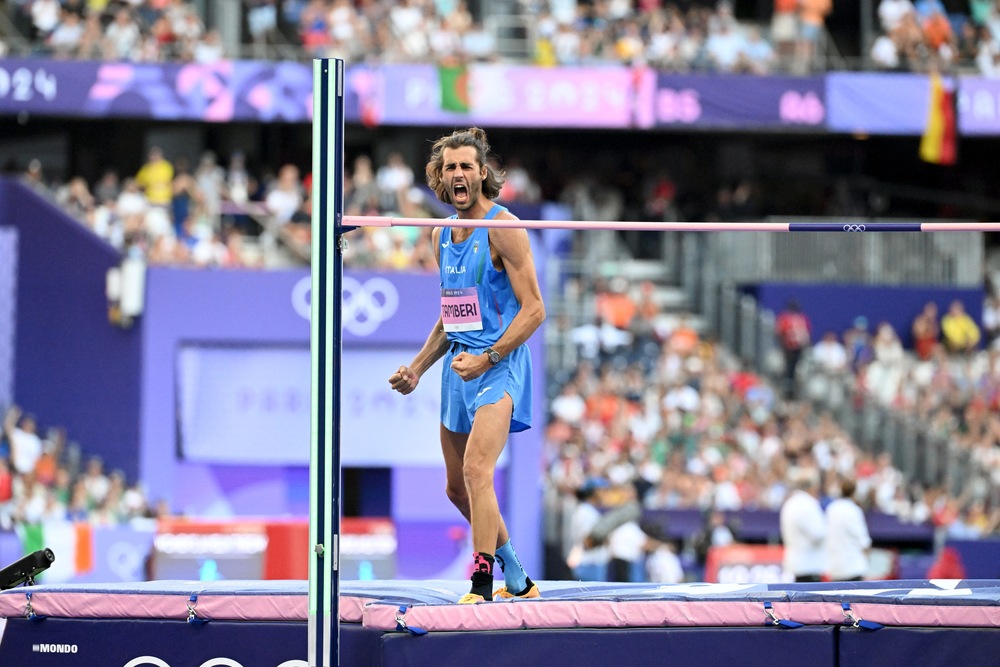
(477,301)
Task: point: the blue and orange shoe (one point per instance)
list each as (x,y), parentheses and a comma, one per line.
(531,592)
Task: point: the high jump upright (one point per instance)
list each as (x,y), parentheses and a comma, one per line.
(325,352)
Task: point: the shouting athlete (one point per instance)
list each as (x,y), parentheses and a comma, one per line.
(490,306)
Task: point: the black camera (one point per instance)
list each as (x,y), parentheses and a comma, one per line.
(26,569)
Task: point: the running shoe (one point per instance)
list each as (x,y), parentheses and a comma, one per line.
(504,594)
(471,598)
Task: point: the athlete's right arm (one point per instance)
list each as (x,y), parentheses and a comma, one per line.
(406,378)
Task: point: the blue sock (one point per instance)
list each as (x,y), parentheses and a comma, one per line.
(514,576)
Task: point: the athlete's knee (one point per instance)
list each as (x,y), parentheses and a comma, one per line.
(458,496)
(477,476)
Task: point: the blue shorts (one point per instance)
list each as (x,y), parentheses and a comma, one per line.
(460,399)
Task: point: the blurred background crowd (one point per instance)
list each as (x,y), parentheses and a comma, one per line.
(651,410)
(675,36)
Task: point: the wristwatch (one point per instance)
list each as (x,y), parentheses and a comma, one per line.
(493,355)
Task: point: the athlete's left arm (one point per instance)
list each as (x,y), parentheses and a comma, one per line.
(514,249)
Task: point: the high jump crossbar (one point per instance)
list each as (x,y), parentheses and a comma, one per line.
(850,226)
(326,344)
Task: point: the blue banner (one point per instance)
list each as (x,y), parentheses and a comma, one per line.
(737,101)
(877,103)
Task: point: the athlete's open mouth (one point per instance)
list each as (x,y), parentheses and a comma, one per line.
(460,192)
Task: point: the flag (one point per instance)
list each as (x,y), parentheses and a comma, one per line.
(454,81)
(939,144)
(71,542)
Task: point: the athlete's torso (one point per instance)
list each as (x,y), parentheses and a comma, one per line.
(477,300)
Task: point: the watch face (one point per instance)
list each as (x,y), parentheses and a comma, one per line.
(494,356)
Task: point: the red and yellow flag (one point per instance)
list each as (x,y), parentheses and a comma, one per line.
(939,144)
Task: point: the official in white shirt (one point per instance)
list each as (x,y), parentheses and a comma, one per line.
(803,527)
(847,538)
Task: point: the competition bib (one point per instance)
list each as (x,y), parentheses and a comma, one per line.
(460,309)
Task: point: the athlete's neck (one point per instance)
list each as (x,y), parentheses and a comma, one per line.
(477,211)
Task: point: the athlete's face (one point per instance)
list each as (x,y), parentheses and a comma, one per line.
(462,176)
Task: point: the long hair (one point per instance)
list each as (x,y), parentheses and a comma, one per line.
(476,138)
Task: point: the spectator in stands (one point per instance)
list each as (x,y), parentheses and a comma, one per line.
(122,37)
(830,354)
(210,180)
(587,560)
(183,198)
(830,369)
(885,373)
(107,187)
(803,527)
(262,20)
(725,46)
(891,12)
(33,175)
(65,39)
(926,332)
(92,40)
(683,339)
(812,16)
(391,178)
(885,53)
(858,342)
(847,538)
(285,197)
(131,207)
(795,336)
(209,49)
(991,320)
(76,197)
(785,31)
(758,54)
(21,431)
(959,332)
(940,39)
(966,45)
(156,179)
(364,197)
(95,483)
(615,304)
(45,16)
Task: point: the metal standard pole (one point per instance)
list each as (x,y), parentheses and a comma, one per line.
(326,347)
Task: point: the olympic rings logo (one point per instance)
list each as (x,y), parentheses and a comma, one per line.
(854,228)
(365,305)
(211,662)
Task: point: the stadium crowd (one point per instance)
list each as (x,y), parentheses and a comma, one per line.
(656,415)
(652,413)
(680,37)
(45,477)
